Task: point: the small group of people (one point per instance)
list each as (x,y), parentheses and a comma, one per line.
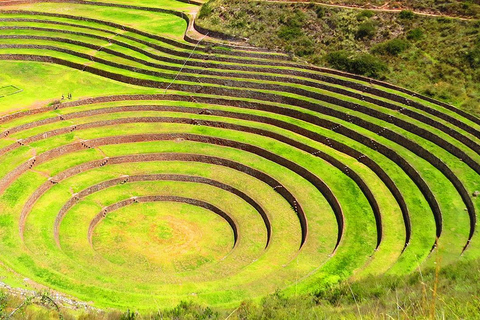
(69,96)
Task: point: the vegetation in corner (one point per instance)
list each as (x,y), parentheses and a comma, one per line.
(448,292)
(436,56)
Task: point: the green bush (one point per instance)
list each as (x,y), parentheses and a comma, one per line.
(292,26)
(295,21)
(364,64)
(238,23)
(205,10)
(365,30)
(471,106)
(320,11)
(368,65)
(445,20)
(365,14)
(289,33)
(303,46)
(338,60)
(406,14)
(392,47)
(415,34)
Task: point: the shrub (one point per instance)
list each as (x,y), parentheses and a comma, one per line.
(339,60)
(238,23)
(289,33)
(471,105)
(205,10)
(406,14)
(444,20)
(292,26)
(364,64)
(365,14)
(320,11)
(297,20)
(365,30)
(368,65)
(415,34)
(304,46)
(392,47)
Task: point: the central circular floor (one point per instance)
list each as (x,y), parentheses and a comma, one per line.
(170,236)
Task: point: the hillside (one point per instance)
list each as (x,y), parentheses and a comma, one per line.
(436,56)
(448,293)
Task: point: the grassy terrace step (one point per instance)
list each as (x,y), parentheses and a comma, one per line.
(104,212)
(125,39)
(210,123)
(319,184)
(113,207)
(246,227)
(263,173)
(218,246)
